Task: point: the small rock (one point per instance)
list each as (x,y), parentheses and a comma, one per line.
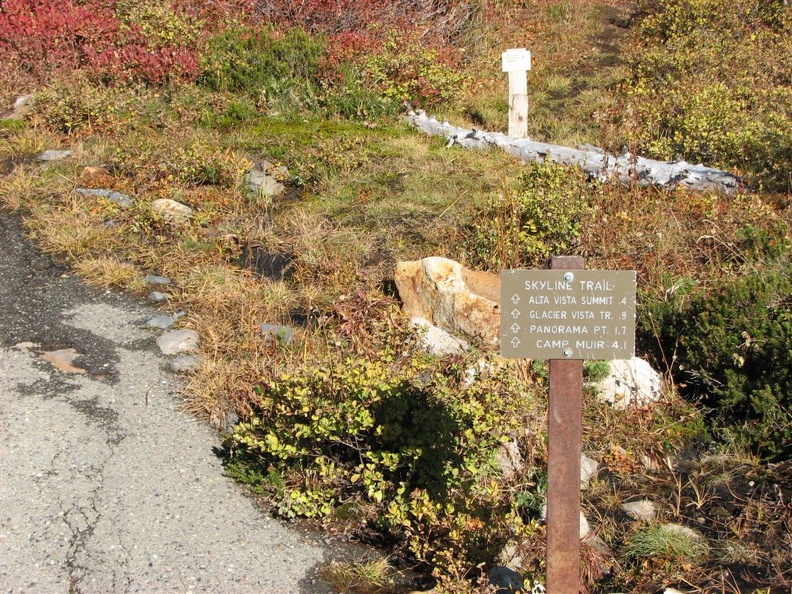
(153,279)
(120,199)
(510,557)
(185,363)
(642,510)
(111,195)
(93,192)
(437,341)
(22,107)
(157,297)
(683,530)
(275,333)
(90,174)
(23,346)
(262,179)
(165,321)
(54,155)
(178,341)
(172,211)
(585,528)
(505,579)
(509,460)
(588,469)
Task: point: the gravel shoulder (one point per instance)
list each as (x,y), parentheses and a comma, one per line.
(107,485)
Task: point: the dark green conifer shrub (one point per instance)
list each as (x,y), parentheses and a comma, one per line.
(732,348)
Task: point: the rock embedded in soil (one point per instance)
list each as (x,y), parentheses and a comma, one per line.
(275,333)
(185,363)
(642,510)
(178,341)
(157,297)
(164,321)
(172,211)
(437,341)
(54,155)
(630,382)
(22,107)
(588,469)
(116,197)
(153,279)
(263,179)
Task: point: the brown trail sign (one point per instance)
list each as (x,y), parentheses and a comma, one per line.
(565,315)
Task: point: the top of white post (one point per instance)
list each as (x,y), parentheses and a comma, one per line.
(516,60)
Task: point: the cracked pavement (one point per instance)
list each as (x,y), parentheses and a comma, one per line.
(105,484)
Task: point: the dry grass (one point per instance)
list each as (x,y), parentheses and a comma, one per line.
(375,194)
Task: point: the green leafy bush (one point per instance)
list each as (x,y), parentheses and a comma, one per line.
(268,66)
(732,348)
(540,218)
(403,69)
(397,435)
(710,85)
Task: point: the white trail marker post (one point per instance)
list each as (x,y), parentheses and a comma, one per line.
(517,62)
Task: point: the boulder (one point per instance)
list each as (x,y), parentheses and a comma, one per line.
(631,382)
(451,297)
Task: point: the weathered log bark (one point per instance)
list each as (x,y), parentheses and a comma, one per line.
(625,168)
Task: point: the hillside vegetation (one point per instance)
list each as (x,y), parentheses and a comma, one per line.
(349,423)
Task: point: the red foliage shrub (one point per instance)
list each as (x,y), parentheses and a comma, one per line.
(43,37)
(48,35)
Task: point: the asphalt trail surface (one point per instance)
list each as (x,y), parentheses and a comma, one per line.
(106,486)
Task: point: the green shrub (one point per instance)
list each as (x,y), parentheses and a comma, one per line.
(397,434)
(709,85)
(268,67)
(405,70)
(732,348)
(540,218)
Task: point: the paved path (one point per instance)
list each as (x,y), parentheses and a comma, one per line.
(105,485)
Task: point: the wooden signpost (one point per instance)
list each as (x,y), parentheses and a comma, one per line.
(517,62)
(565,315)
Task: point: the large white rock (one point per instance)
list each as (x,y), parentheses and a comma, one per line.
(450,296)
(631,382)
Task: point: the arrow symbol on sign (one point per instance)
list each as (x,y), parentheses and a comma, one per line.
(515,313)
(515,299)
(515,342)
(515,328)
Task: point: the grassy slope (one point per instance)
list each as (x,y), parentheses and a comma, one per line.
(367,195)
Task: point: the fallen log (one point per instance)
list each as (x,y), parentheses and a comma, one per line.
(626,168)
